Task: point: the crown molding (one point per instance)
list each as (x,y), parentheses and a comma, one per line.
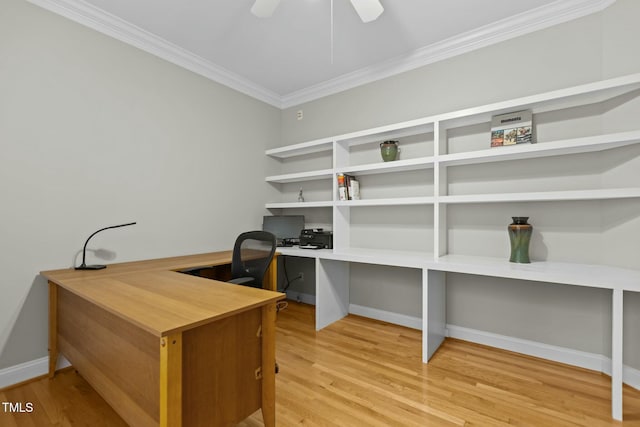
(536,19)
(103,22)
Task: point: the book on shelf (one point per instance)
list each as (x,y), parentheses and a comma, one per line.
(342,187)
(353,187)
(348,187)
(511,128)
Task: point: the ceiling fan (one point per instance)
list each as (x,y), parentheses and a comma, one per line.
(369,10)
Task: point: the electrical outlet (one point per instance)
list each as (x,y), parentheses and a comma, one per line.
(299,115)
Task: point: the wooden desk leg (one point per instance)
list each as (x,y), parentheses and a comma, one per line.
(53,328)
(171,380)
(271,276)
(269,365)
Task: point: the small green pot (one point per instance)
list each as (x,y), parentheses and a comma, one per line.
(389,150)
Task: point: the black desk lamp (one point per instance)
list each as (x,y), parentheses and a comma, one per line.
(84,266)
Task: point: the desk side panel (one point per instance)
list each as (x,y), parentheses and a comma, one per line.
(119,360)
(434,316)
(332,291)
(220,361)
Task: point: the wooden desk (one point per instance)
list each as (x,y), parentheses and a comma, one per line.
(166,348)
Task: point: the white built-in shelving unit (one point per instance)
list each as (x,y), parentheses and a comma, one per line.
(431,155)
(421,178)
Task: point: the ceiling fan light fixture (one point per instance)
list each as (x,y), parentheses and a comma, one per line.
(264,8)
(369,10)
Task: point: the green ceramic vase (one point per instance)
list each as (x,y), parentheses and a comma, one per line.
(389,150)
(520,237)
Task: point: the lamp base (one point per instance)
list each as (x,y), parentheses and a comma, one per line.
(91,267)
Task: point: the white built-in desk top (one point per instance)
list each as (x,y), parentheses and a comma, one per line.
(591,275)
(598,276)
(410,259)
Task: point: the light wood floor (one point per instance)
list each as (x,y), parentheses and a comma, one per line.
(360,372)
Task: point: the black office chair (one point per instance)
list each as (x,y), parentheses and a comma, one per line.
(252,255)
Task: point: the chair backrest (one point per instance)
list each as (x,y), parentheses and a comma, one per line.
(252,254)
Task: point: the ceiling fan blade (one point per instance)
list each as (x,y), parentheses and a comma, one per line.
(369,10)
(264,8)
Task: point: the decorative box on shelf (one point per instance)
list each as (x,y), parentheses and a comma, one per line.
(511,128)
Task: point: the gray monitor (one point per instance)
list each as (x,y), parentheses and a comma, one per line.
(284,227)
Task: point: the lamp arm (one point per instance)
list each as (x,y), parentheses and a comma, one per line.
(84,248)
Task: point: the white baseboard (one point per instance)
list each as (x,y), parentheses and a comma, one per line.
(631,377)
(592,361)
(28,370)
(300,297)
(582,359)
(386,316)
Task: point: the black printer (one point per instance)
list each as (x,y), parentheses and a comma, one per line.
(316,237)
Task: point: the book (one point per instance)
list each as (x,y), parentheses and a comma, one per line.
(348,187)
(353,188)
(497,138)
(511,128)
(342,187)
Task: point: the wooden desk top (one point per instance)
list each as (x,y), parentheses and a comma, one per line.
(162,264)
(151,295)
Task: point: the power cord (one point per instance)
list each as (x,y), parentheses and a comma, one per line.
(286,275)
(281,305)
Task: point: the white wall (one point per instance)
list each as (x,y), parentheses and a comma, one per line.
(588,49)
(94,133)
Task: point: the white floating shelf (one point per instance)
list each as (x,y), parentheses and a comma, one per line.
(300,205)
(316,146)
(555,148)
(396,201)
(545,196)
(301,176)
(383,133)
(395,166)
(590,93)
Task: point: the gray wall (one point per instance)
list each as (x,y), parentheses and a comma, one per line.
(598,46)
(554,58)
(93,133)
